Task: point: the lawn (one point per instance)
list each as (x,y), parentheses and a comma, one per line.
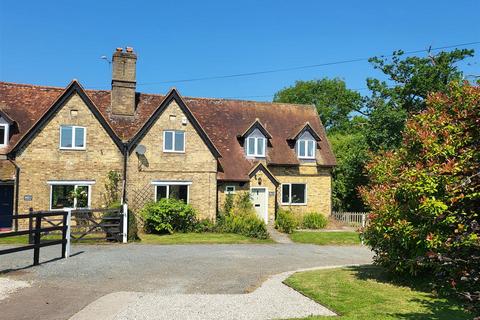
(205,238)
(368,293)
(176,238)
(326,238)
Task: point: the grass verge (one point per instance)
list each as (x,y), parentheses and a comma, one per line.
(326,238)
(199,238)
(366,292)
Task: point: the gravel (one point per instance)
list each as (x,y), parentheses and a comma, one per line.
(273,300)
(63,287)
(9,286)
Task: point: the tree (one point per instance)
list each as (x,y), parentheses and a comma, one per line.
(334,102)
(425,195)
(411,80)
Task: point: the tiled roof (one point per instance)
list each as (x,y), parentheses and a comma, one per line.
(223,121)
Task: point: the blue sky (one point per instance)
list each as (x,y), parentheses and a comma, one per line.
(52,42)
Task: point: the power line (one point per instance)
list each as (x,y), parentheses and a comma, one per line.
(255,73)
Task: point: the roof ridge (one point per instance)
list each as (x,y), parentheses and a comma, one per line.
(29,85)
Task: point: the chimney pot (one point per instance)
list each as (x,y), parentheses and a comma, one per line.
(119,49)
(129,49)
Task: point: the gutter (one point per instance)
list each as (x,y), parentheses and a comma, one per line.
(17,185)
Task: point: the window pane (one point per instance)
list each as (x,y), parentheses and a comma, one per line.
(66,136)
(285,193)
(82,196)
(62,196)
(179,140)
(179,192)
(301,148)
(298,193)
(251,146)
(79,135)
(168,140)
(2,135)
(161,192)
(260,146)
(311,149)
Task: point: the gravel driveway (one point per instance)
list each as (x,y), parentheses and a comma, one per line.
(63,287)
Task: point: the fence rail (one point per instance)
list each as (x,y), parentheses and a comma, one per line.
(353,219)
(36,231)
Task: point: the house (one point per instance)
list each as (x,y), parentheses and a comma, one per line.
(56,140)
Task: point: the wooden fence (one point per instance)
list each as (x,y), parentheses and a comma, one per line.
(353,219)
(36,230)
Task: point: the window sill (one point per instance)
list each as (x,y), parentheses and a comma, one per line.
(173,152)
(72,149)
(293,204)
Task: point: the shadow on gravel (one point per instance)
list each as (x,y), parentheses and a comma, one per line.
(10,270)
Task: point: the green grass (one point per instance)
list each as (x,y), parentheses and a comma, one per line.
(326,238)
(205,238)
(176,238)
(368,293)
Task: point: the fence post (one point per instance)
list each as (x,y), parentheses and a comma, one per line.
(30,226)
(36,249)
(67,235)
(64,234)
(363,220)
(125,223)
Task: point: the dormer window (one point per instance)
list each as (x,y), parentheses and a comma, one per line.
(255,140)
(4,128)
(306,141)
(256,144)
(306,146)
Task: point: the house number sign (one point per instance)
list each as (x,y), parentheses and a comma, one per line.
(28,197)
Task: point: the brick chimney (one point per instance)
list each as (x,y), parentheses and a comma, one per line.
(123,82)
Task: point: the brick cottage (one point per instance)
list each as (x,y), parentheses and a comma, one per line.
(57,140)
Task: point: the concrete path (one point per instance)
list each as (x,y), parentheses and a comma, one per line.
(61,288)
(278,236)
(273,300)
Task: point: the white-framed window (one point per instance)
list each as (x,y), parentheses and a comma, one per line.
(229,189)
(306,146)
(172,189)
(256,144)
(4,133)
(73,137)
(294,194)
(70,194)
(173,141)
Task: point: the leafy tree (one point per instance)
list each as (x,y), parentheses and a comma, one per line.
(411,80)
(333,100)
(425,196)
(350,150)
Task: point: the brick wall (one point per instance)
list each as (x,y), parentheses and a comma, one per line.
(197,165)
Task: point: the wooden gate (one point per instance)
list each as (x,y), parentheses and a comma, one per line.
(97,224)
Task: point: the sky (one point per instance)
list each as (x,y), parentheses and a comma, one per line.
(53,42)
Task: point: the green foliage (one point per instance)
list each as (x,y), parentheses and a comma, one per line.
(286,221)
(168,216)
(412,79)
(425,197)
(205,225)
(242,219)
(314,220)
(112,188)
(351,151)
(334,102)
(228,205)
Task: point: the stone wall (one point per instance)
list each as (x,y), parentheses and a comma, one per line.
(196,164)
(42,159)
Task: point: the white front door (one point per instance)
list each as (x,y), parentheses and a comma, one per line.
(259,198)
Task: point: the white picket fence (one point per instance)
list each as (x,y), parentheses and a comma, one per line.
(353,219)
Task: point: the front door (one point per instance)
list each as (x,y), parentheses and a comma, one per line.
(259,198)
(6,206)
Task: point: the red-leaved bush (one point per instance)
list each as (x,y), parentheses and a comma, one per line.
(425,196)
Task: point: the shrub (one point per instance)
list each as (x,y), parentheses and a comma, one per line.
(228,205)
(285,221)
(314,220)
(168,216)
(242,219)
(205,225)
(247,224)
(424,197)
